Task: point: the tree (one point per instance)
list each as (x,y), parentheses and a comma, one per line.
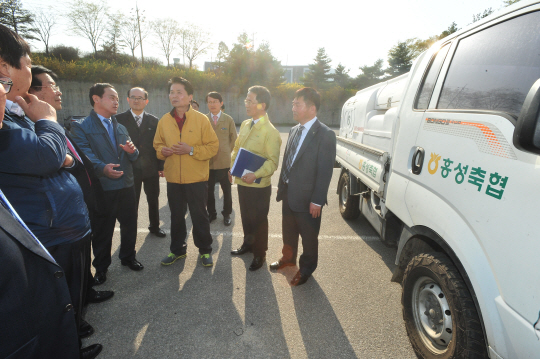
(18,19)
(375,72)
(451,29)
(88,19)
(319,72)
(399,59)
(482,15)
(222,54)
(45,21)
(129,33)
(341,76)
(167,31)
(195,42)
(114,43)
(510,2)
(246,67)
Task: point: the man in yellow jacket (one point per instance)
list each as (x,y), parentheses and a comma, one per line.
(186,141)
(259,136)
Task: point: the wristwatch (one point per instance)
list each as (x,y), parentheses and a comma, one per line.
(191,152)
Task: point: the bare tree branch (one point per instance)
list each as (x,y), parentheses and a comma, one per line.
(88,19)
(167,31)
(195,42)
(45,21)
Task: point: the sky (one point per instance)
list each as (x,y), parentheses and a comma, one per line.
(353,33)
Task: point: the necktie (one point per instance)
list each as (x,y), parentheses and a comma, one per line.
(252,123)
(4,201)
(110,130)
(139,120)
(215,120)
(292,153)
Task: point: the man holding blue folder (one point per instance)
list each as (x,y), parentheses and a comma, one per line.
(260,137)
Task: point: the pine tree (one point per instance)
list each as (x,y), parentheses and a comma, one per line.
(399,59)
(17,19)
(319,72)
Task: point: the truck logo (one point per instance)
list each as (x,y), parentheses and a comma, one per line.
(434,160)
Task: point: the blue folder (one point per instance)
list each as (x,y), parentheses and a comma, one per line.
(246,160)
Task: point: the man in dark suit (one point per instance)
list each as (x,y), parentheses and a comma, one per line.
(147,168)
(44,87)
(36,316)
(108,145)
(47,198)
(303,184)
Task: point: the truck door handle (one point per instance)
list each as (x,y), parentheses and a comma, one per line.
(417,161)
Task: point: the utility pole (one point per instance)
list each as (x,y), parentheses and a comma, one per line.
(140,36)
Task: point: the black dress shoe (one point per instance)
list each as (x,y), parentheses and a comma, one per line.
(91,351)
(281,264)
(227,220)
(85,329)
(212,217)
(133,264)
(98,296)
(257,263)
(158,232)
(242,250)
(100,278)
(299,279)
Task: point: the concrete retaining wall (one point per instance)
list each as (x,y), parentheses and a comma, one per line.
(75,102)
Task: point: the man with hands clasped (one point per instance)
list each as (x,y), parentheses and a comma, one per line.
(108,145)
(186,141)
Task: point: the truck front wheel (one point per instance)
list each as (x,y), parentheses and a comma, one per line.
(348,205)
(438,310)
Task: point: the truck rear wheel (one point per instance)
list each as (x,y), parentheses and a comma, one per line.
(348,205)
(438,310)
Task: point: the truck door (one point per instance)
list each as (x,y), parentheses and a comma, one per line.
(473,170)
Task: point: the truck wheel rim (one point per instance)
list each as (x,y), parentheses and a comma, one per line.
(432,315)
(344,194)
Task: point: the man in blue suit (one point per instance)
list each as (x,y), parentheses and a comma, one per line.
(108,146)
(34,150)
(36,316)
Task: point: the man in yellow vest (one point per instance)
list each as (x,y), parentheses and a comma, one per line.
(259,136)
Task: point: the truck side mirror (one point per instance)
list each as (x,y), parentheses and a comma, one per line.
(527,132)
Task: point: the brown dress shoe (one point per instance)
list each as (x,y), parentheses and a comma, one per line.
(299,279)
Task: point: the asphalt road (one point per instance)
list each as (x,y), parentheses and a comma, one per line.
(348,309)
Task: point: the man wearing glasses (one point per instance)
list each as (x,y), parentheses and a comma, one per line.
(259,136)
(147,168)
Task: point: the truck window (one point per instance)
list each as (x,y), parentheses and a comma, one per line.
(424,95)
(494,69)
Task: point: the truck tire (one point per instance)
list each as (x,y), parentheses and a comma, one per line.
(438,310)
(348,205)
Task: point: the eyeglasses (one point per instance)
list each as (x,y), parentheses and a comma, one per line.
(52,87)
(7,83)
(249,102)
(137,98)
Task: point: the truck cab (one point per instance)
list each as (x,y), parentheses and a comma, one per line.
(444,162)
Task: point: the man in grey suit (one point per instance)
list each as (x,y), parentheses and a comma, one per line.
(303,184)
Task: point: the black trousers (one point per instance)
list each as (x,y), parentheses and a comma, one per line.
(151,188)
(295,224)
(221,176)
(194,196)
(254,207)
(121,206)
(72,258)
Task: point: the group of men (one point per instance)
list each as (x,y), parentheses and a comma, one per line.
(62,193)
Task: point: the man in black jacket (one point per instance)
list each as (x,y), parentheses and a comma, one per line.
(147,168)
